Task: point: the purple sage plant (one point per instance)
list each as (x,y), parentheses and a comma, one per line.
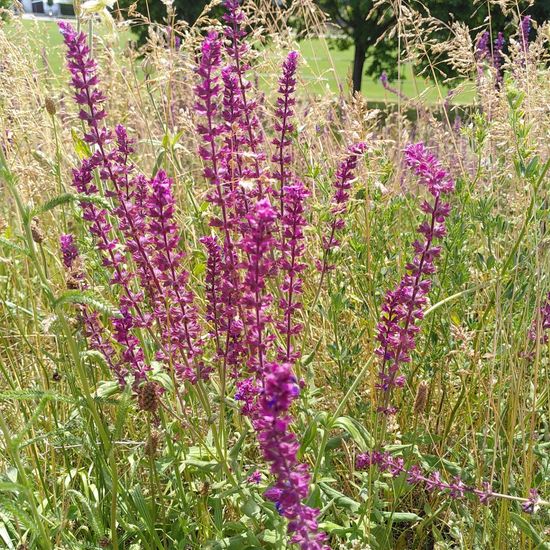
(403,307)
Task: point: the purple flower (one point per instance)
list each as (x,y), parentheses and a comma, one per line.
(498,56)
(283,125)
(269,395)
(530,506)
(292,249)
(207,92)
(433,482)
(221,169)
(68,249)
(384,80)
(255,477)
(485,494)
(483,49)
(544,323)
(257,242)
(345,176)
(403,307)
(249,123)
(84,80)
(213,287)
(524,31)
(280,447)
(178,319)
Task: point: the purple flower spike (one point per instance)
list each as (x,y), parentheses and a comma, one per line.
(283,125)
(498,56)
(279,447)
(178,319)
(68,249)
(483,50)
(433,482)
(403,307)
(249,123)
(345,176)
(111,166)
(257,243)
(524,31)
(292,249)
(268,395)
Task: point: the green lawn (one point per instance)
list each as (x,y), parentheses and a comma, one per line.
(328,67)
(44,37)
(321,66)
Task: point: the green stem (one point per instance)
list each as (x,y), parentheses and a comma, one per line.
(9,178)
(336,415)
(11,448)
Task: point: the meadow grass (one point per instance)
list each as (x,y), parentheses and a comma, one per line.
(324,68)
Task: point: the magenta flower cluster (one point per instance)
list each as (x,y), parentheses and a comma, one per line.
(544,323)
(68,250)
(258,245)
(494,57)
(433,482)
(255,250)
(156,289)
(345,176)
(403,306)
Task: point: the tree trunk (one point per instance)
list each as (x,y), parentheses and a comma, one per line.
(358,64)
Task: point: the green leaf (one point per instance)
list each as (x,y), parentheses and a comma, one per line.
(526,528)
(67,198)
(202,465)
(81,148)
(309,436)
(356,430)
(14,247)
(86,298)
(401,517)
(107,388)
(236,449)
(238,542)
(339,498)
(250,508)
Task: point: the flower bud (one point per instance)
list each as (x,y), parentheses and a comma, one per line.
(50,106)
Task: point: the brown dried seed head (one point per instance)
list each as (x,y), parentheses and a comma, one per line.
(49,103)
(37,235)
(148,397)
(151,447)
(421,398)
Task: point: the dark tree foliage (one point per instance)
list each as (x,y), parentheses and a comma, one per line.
(362,27)
(155,10)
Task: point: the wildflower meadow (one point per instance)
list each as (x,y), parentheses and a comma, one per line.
(244,307)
